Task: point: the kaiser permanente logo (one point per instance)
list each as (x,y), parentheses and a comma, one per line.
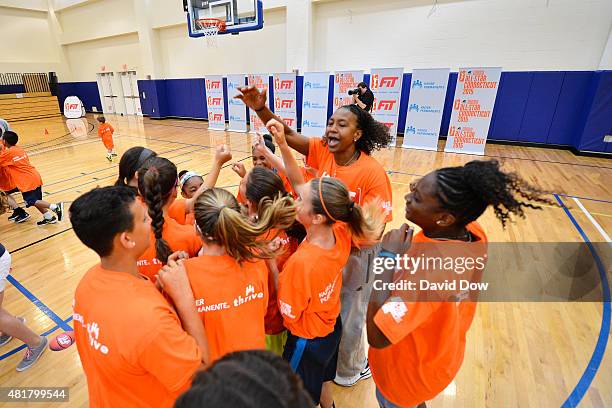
(411,129)
(313,85)
(418,84)
(422,108)
(313,105)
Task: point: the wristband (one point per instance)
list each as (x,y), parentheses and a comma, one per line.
(387,254)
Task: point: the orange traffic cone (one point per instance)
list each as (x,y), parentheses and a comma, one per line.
(46,131)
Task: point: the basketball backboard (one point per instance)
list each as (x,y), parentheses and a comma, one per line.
(238,15)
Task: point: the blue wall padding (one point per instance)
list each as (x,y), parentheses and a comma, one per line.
(598,120)
(541,105)
(10,89)
(510,104)
(448,103)
(566,121)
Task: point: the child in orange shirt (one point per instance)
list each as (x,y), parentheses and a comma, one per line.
(262,183)
(309,284)
(17,165)
(136,350)
(105,131)
(229,278)
(192,185)
(131,160)
(417,347)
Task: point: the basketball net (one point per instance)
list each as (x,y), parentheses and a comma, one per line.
(210,28)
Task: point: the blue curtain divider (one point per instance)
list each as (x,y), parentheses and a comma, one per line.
(570,108)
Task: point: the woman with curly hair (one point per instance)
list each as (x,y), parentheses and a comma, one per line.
(344,152)
(417,341)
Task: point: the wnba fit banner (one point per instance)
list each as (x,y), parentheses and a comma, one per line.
(387,87)
(214,101)
(259,81)
(472,107)
(345,81)
(314,106)
(285,98)
(237,108)
(425,108)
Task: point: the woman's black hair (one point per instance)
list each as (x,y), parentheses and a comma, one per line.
(375,134)
(263,183)
(246,379)
(157,179)
(131,160)
(467,191)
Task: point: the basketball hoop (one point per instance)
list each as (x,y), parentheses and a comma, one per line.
(210,27)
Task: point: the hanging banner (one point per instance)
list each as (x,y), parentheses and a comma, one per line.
(425,108)
(285,98)
(260,81)
(314,105)
(472,109)
(386,84)
(345,81)
(237,108)
(215,103)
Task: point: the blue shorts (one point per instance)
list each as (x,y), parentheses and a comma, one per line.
(314,360)
(31,197)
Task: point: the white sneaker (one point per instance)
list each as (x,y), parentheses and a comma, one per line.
(363,375)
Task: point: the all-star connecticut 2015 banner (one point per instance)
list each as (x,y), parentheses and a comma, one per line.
(472,109)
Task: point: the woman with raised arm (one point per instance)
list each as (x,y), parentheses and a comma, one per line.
(344,152)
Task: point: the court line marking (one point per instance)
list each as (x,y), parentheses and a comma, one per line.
(593,221)
(602,339)
(38,303)
(23,346)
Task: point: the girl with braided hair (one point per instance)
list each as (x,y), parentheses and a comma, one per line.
(417,347)
(229,277)
(157,181)
(345,152)
(310,282)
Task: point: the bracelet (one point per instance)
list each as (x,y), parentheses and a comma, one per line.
(387,254)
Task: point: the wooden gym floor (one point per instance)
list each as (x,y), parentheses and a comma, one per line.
(518,354)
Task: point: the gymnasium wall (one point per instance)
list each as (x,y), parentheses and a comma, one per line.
(518,35)
(86,58)
(25,42)
(257,51)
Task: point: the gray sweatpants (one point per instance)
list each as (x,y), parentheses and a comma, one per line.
(354,297)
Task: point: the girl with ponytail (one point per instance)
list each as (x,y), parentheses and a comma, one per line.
(261,184)
(157,181)
(229,277)
(310,282)
(417,347)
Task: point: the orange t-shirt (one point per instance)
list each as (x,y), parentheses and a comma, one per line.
(105,131)
(17,164)
(178,211)
(179,237)
(132,347)
(309,286)
(427,340)
(366,179)
(6,181)
(274,319)
(232,301)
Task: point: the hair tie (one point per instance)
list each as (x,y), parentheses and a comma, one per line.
(323,202)
(351,206)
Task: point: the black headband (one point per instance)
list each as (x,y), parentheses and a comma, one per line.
(144,155)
